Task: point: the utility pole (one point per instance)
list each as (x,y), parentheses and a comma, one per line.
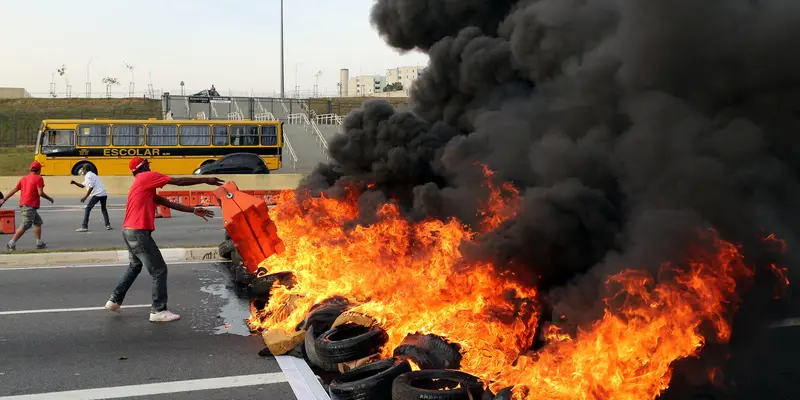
(296,84)
(316,83)
(283,93)
(88,81)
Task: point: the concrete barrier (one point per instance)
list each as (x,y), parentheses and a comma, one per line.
(119,185)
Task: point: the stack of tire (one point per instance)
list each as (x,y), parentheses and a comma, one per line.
(390,378)
(227,250)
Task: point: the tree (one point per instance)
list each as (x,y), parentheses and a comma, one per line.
(108,81)
(393,87)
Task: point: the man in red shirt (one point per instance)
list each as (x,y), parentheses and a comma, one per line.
(137,229)
(31,190)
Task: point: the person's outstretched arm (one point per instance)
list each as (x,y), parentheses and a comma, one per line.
(199,211)
(9,195)
(189,181)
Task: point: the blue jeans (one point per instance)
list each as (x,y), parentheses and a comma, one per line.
(92,201)
(143,251)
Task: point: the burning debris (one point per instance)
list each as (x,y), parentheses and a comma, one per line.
(625,166)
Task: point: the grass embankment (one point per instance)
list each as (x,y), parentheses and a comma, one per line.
(343,105)
(20,119)
(14,161)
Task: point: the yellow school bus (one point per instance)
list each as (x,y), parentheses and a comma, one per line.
(175,147)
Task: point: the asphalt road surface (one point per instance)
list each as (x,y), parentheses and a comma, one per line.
(62,218)
(56,338)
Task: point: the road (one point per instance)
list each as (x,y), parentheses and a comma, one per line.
(71,348)
(65,215)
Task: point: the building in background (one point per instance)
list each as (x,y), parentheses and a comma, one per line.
(405,76)
(14,93)
(365,85)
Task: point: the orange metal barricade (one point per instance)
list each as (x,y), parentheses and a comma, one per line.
(7,222)
(269,196)
(246,219)
(203,198)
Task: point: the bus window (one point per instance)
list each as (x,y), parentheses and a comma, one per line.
(269,135)
(220,135)
(93,135)
(127,135)
(244,135)
(195,135)
(54,140)
(162,135)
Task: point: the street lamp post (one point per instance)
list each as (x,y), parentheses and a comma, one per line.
(283,93)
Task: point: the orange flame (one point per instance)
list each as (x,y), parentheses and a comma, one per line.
(411,278)
(401,274)
(627,354)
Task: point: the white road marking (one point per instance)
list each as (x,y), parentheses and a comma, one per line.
(150,389)
(57,310)
(33,267)
(301,378)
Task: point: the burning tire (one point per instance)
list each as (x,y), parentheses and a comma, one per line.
(262,285)
(350,342)
(437,385)
(311,353)
(429,352)
(504,394)
(226,248)
(370,381)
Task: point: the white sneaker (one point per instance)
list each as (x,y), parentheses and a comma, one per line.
(164,316)
(82,230)
(111,306)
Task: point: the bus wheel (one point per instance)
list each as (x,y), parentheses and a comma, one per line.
(76,169)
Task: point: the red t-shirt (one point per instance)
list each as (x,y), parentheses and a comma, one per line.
(140,212)
(29,190)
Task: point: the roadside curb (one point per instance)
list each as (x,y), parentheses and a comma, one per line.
(32,260)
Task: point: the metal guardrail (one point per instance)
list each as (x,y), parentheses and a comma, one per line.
(291,151)
(265,116)
(330,119)
(301,118)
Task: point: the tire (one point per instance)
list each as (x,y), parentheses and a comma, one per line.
(262,286)
(415,354)
(350,342)
(240,274)
(80,165)
(226,248)
(236,260)
(504,394)
(437,384)
(311,353)
(369,381)
(429,352)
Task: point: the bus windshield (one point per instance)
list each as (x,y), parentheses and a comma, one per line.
(57,140)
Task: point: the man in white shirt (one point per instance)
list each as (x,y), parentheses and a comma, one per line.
(98,192)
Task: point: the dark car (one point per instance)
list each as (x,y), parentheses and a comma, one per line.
(236,163)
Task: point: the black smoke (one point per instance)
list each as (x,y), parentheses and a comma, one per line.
(625,124)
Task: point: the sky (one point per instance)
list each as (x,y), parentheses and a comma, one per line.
(232,44)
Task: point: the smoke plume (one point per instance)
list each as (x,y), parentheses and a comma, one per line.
(625,124)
